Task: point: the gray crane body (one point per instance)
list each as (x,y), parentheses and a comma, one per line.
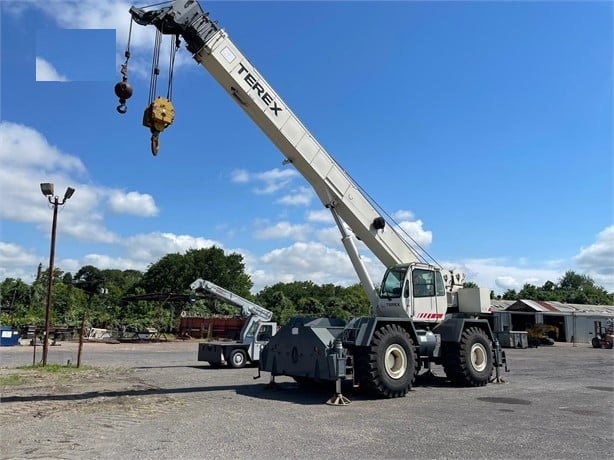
(422,313)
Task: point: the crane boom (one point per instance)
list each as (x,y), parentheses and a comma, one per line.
(248,309)
(214,50)
(410,287)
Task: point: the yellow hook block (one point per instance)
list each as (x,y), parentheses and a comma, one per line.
(158,116)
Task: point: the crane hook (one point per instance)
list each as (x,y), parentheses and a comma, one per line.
(123,90)
(155,142)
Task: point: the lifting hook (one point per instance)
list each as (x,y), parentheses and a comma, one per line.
(158,116)
(155,142)
(123,90)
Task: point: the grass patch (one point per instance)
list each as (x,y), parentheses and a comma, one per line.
(11,380)
(55,368)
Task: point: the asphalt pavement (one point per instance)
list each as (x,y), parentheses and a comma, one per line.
(556,402)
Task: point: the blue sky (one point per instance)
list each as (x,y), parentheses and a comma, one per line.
(484,127)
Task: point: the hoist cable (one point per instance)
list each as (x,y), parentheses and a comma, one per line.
(155,70)
(171,67)
(127,53)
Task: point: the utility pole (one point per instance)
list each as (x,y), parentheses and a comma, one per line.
(47,190)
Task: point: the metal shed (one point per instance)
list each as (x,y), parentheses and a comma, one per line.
(575,322)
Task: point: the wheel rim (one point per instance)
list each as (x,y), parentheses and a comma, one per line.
(237,359)
(395,361)
(478,357)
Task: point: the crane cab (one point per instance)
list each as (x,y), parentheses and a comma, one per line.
(413,290)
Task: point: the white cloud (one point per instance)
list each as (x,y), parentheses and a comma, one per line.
(47,72)
(309,261)
(329,236)
(507,282)
(597,260)
(414,232)
(93,14)
(134,203)
(403,214)
(104,262)
(28,159)
(267,182)
(25,147)
(321,215)
(284,229)
(599,256)
(150,247)
(108,14)
(500,275)
(301,196)
(15,260)
(239,176)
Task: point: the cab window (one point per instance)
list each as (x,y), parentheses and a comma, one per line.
(265,333)
(423,282)
(391,286)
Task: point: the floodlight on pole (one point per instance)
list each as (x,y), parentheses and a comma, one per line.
(47,189)
(54,200)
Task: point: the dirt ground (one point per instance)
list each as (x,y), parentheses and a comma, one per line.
(36,393)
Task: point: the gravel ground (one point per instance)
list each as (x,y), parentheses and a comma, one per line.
(157,401)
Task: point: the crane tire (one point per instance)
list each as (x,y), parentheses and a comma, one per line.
(237,358)
(387,367)
(469,363)
(595,342)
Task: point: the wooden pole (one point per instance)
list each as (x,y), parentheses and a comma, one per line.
(81,334)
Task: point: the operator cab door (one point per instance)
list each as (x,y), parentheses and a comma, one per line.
(428,296)
(262,335)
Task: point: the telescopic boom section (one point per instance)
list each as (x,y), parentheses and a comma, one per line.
(212,48)
(247,308)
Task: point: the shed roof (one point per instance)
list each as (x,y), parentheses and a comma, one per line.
(500,305)
(560,307)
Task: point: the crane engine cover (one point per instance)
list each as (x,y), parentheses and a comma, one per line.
(304,348)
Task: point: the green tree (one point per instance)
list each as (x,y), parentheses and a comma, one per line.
(15,301)
(570,288)
(510,294)
(306,298)
(577,288)
(89,279)
(175,272)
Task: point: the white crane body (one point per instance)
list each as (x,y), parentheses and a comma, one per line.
(255,333)
(420,318)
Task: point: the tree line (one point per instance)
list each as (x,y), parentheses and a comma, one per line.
(111,298)
(118,299)
(571,288)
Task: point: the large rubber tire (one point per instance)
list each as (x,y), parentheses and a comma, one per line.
(387,367)
(237,359)
(595,342)
(470,362)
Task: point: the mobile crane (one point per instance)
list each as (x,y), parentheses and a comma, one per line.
(422,313)
(255,334)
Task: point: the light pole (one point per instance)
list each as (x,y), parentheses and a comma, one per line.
(47,189)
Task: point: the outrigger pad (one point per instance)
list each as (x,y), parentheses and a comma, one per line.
(338,400)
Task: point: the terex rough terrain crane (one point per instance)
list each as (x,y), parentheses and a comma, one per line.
(256,332)
(422,313)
